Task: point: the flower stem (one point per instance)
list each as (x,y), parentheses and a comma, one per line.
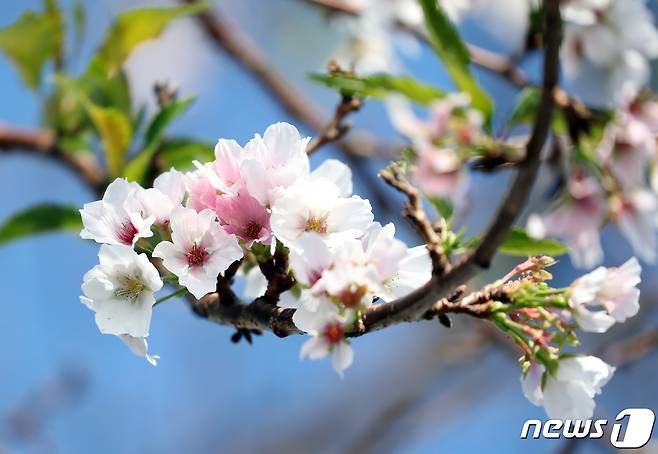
(179,292)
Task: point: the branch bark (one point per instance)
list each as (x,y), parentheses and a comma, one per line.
(44,143)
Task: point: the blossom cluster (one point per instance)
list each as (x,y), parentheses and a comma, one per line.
(245,204)
(615,183)
(614,37)
(542,320)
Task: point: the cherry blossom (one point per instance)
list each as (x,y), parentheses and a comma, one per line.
(635,214)
(118,217)
(613,289)
(401,269)
(327,329)
(274,162)
(569,394)
(317,206)
(577,219)
(200,250)
(617,36)
(245,217)
(120,290)
(439,173)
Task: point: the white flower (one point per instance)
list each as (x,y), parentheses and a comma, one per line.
(117,218)
(274,162)
(616,36)
(316,205)
(120,290)
(327,329)
(172,184)
(401,269)
(613,289)
(139,346)
(569,394)
(200,250)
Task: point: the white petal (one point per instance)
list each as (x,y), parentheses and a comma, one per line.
(139,347)
(338,173)
(342,357)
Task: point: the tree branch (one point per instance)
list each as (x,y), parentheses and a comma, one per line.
(44,143)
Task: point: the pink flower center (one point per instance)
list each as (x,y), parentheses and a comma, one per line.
(196,256)
(252,230)
(316,224)
(333,333)
(127,232)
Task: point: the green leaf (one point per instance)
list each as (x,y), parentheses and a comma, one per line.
(133,28)
(39,219)
(164,117)
(519,243)
(526,106)
(448,45)
(115,131)
(29,43)
(526,109)
(137,168)
(442,206)
(179,153)
(380,86)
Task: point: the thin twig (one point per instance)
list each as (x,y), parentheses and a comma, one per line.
(44,143)
(415,212)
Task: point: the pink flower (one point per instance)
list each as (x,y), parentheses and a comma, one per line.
(438,173)
(244,217)
(577,219)
(200,250)
(636,217)
(203,195)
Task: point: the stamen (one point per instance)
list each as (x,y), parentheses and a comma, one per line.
(316,224)
(127,232)
(196,256)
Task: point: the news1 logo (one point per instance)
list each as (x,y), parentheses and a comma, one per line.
(637,422)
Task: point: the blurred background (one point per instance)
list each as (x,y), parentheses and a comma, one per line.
(413,388)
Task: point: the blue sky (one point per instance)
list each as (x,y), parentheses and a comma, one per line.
(206,393)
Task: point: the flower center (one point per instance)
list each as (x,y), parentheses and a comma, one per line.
(316,224)
(333,333)
(127,232)
(196,256)
(352,297)
(252,230)
(131,287)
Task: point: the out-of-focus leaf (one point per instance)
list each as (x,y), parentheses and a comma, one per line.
(137,168)
(526,108)
(39,219)
(164,117)
(180,152)
(133,28)
(380,85)
(519,243)
(448,45)
(29,43)
(442,206)
(79,21)
(115,131)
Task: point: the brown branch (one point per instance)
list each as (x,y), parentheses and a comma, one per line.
(44,143)
(336,128)
(415,212)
